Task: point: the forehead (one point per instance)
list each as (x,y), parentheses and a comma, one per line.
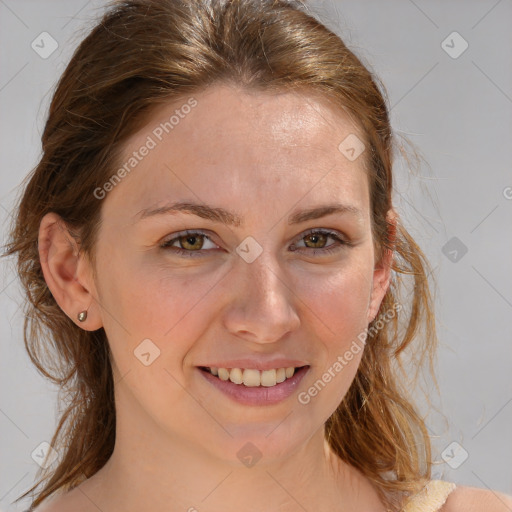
(242,146)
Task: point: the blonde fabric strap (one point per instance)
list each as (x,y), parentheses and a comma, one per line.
(431,498)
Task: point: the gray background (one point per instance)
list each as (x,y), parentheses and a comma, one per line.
(456,111)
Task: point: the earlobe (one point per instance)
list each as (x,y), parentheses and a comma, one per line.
(382,271)
(59,257)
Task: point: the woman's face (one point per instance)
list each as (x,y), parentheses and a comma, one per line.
(249,281)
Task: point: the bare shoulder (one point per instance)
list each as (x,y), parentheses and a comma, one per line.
(72,501)
(474,499)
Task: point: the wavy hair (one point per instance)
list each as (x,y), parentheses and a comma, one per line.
(145,53)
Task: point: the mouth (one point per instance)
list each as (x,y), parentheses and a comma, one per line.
(252,387)
(251,377)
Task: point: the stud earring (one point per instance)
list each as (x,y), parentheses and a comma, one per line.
(82,316)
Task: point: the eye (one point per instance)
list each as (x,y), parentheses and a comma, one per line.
(191,243)
(319,237)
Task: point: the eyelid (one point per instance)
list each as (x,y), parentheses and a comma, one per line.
(328,231)
(208,234)
(174,236)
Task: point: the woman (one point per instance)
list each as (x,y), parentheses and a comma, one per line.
(210,241)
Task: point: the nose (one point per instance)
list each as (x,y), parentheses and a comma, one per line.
(262,302)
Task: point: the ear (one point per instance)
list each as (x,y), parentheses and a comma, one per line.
(61,263)
(382,272)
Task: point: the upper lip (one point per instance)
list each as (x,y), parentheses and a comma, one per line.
(256,364)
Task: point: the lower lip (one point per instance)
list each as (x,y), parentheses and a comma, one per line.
(259,395)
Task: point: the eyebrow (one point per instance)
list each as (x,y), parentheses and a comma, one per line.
(223,216)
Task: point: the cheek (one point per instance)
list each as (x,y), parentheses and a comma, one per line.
(169,306)
(340,300)
(339,306)
(147,296)
(154,318)
(173,306)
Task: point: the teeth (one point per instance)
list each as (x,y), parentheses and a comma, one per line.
(254,378)
(235,375)
(223,374)
(289,372)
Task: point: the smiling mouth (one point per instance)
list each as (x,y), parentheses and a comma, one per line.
(252,377)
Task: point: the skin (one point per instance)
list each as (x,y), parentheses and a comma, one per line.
(264,156)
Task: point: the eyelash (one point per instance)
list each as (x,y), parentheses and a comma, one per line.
(333,248)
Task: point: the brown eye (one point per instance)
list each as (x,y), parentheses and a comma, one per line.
(189,243)
(316,241)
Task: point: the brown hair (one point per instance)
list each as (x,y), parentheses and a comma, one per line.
(148,52)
